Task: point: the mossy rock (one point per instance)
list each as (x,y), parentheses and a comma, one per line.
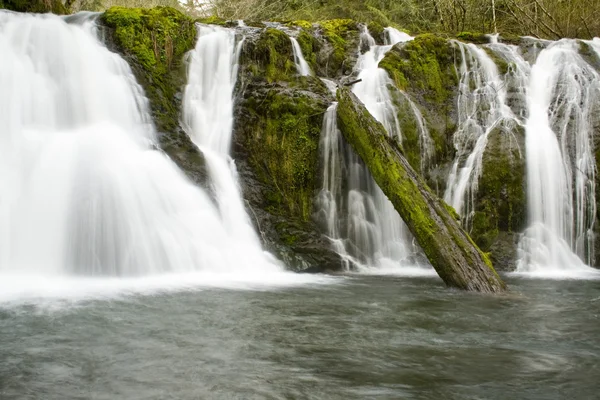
(276,143)
(154,42)
(214,20)
(341,35)
(500,204)
(283,145)
(310,47)
(270,57)
(501,63)
(35,6)
(471,37)
(425,64)
(377,31)
(424,70)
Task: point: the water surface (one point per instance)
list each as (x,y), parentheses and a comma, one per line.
(354,338)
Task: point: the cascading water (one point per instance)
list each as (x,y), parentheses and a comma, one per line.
(362,223)
(208,119)
(301,65)
(563,99)
(373,88)
(482,107)
(83,192)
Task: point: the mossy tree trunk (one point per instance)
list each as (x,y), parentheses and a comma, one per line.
(455,257)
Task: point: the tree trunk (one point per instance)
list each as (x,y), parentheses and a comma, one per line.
(457,260)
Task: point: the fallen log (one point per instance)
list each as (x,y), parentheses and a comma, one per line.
(450,250)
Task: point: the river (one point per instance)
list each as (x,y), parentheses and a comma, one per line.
(351,337)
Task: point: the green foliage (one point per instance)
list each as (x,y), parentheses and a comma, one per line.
(157,39)
(338,33)
(35,6)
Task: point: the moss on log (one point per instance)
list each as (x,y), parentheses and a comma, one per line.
(455,257)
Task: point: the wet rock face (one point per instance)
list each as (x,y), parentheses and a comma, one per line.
(154,43)
(277,129)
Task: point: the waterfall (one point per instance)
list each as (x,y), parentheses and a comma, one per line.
(208,118)
(562,103)
(83,190)
(373,88)
(482,107)
(301,65)
(363,225)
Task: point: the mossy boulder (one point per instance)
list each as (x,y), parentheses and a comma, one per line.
(35,6)
(450,250)
(339,50)
(377,31)
(473,37)
(500,203)
(270,57)
(424,66)
(154,42)
(277,130)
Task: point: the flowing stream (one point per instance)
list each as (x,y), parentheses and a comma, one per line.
(367,337)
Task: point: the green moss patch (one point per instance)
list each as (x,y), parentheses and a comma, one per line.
(35,6)
(157,40)
(500,205)
(425,65)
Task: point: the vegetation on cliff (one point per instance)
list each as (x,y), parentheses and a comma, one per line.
(424,70)
(36,6)
(458,261)
(154,42)
(278,124)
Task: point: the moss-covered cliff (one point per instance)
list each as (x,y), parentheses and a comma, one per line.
(500,205)
(154,42)
(278,123)
(424,70)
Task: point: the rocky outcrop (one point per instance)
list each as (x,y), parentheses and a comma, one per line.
(500,206)
(450,250)
(424,70)
(276,137)
(154,42)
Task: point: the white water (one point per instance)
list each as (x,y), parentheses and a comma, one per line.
(482,107)
(301,65)
(563,100)
(208,119)
(373,88)
(363,225)
(83,192)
